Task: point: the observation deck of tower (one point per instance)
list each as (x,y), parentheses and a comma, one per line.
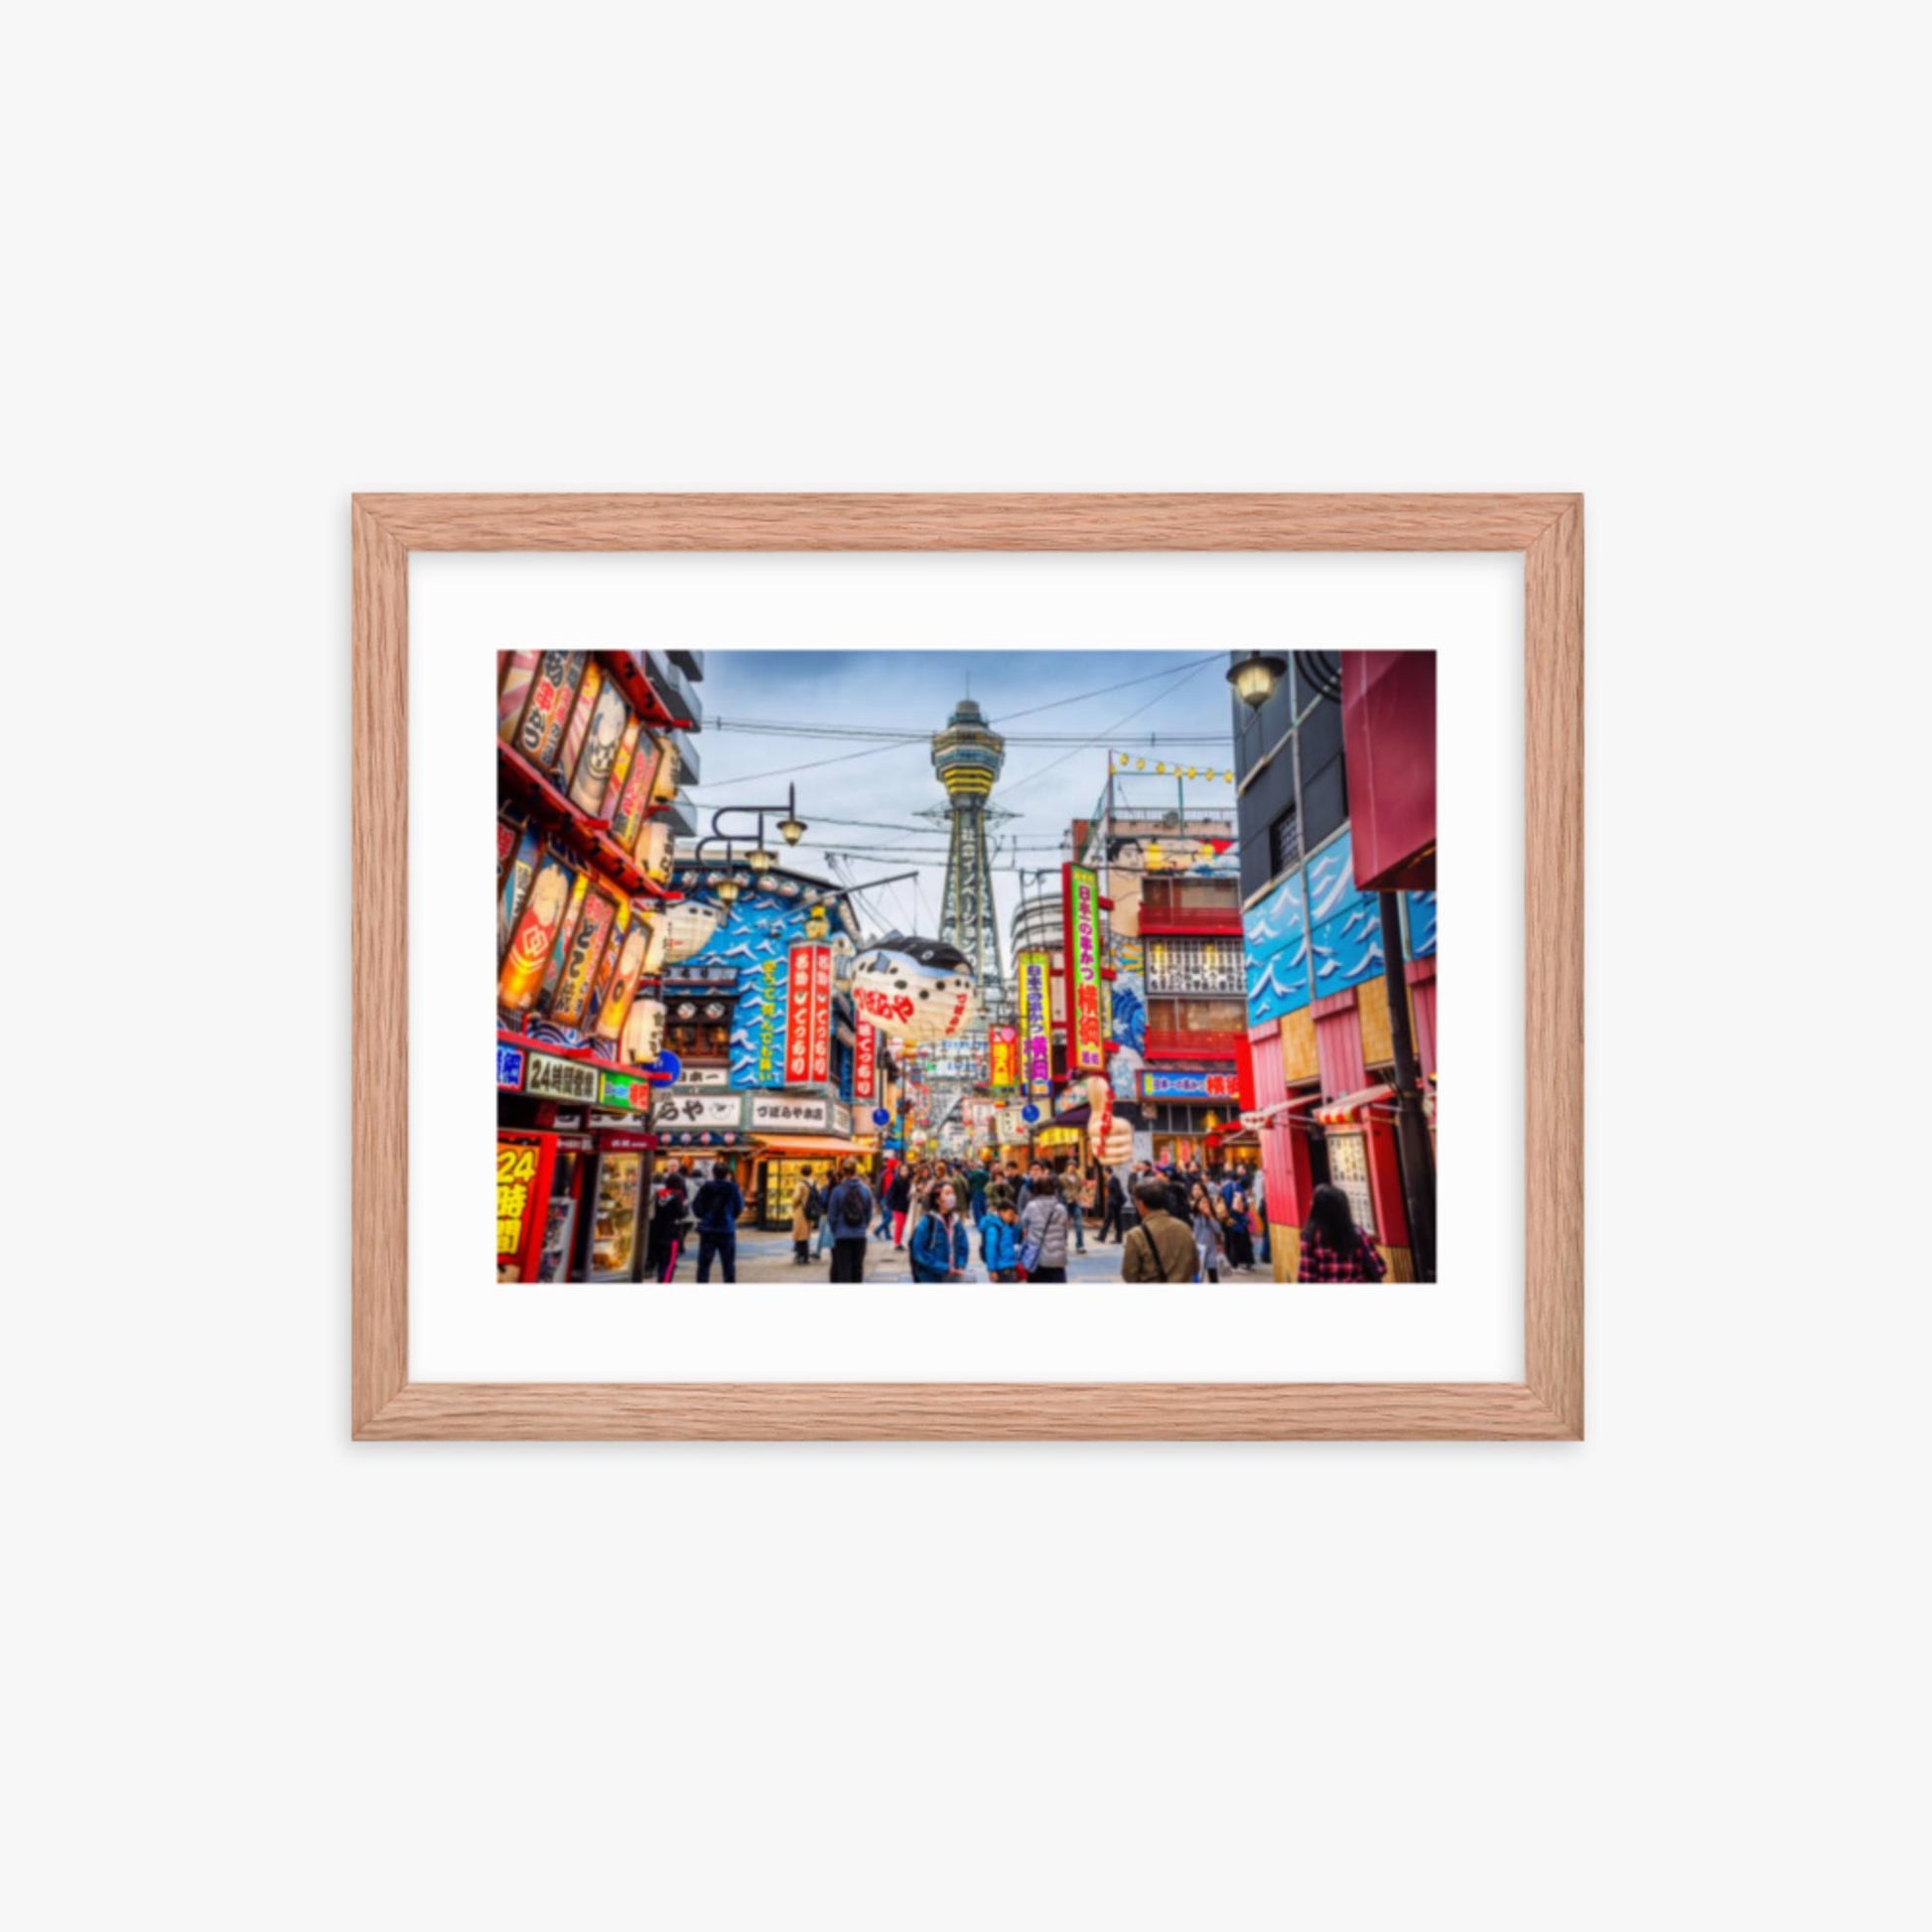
(968,757)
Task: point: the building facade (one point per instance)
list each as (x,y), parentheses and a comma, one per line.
(1177,1015)
(777,1075)
(1316,855)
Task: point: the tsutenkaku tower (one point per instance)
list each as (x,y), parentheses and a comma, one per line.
(968,755)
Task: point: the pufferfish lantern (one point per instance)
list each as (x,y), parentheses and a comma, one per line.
(913,989)
(688,926)
(1112,1139)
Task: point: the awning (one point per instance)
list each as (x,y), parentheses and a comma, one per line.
(792,1146)
(1333,1113)
(1072,1117)
(1281,1114)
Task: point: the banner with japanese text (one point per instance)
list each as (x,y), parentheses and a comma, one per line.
(808,1017)
(1086,1037)
(1002,1055)
(864,1063)
(1036,1020)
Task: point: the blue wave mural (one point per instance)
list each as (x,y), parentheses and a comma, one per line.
(1275,936)
(1422,924)
(756,940)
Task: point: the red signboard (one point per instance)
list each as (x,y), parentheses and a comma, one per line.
(1086,1032)
(1003,1043)
(865,1062)
(808,1016)
(1388,723)
(523,1163)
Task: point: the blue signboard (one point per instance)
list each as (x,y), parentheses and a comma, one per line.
(509,1065)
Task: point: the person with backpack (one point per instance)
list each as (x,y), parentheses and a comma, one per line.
(1043,1226)
(804,1199)
(670,1217)
(849,1215)
(717,1206)
(1333,1248)
(941,1248)
(1159,1248)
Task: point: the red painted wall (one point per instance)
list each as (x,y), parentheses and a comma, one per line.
(1388,726)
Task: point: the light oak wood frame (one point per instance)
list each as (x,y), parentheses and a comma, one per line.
(1548,1405)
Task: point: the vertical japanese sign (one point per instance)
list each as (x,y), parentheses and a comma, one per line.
(1003,1053)
(808,1016)
(1036,1019)
(523,1163)
(864,1063)
(1086,1038)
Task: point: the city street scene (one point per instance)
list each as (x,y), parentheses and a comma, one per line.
(966,966)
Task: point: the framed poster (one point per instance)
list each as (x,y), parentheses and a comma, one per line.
(1323,1055)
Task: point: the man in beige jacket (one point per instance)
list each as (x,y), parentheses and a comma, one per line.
(1160,1249)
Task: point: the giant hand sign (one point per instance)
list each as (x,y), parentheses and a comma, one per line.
(1112,1140)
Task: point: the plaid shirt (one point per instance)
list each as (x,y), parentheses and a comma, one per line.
(1321,1263)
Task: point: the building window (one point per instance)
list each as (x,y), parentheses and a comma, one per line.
(1284,843)
(1196,1016)
(1181,894)
(1196,966)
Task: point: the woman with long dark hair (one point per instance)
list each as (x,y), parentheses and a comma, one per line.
(1333,1248)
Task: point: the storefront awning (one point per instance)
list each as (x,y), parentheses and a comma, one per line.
(791,1146)
(1333,1113)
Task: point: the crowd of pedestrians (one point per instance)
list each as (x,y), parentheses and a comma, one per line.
(953,1220)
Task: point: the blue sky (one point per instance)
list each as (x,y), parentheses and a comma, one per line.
(1181,695)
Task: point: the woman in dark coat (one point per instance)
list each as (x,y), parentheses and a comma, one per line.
(1333,1248)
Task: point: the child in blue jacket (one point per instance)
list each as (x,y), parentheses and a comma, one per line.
(1000,1240)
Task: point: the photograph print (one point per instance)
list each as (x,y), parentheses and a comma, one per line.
(955,967)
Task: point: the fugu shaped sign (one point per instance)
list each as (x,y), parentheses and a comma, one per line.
(914,989)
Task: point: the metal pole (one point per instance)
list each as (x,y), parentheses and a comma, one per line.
(1411,1129)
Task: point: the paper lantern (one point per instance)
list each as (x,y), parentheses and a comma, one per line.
(688,926)
(643,1032)
(914,989)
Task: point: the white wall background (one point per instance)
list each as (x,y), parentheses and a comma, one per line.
(261,258)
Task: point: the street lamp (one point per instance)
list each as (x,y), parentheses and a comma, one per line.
(1255,676)
(760,859)
(791,827)
(728,889)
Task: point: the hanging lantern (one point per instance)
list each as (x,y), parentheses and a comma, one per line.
(817,922)
(760,859)
(727,890)
(914,989)
(643,1032)
(657,946)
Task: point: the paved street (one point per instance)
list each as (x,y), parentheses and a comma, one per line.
(767,1258)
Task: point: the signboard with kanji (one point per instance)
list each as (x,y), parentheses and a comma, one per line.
(808,1023)
(1036,1019)
(523,1165)
(1087,1034)
(1002,1055)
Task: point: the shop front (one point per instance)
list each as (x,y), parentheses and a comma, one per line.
(792,1135)
(1358,1134)
(574,1163)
